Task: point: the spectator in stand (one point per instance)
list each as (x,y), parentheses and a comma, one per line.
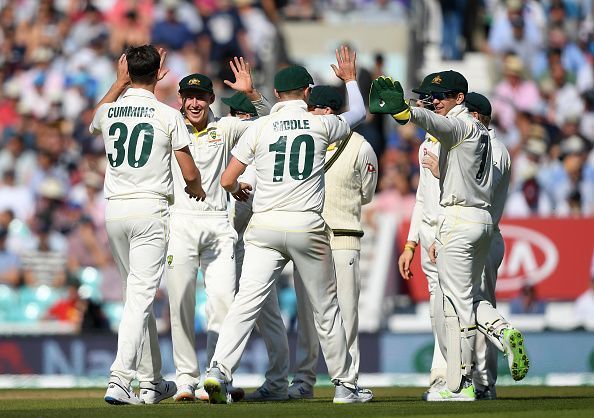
(565,101)
(17,198)
(170,32)
(452,12)
(46,263)
(572,173)
(84,29)
(14,156)
(130,30)
(513,93)
(572,58)
(527,302)
(515,30)
(529,201)
(10,264)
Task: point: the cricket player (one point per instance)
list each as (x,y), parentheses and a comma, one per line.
(140,134)
(464,232)
(351,178)
(201,235)
(491,324)
(496,333)
(421,234)
(288,150)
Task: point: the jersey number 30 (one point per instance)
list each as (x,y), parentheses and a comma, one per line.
(280,147)
(117,158)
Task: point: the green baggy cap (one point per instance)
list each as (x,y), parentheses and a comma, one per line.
(292,78)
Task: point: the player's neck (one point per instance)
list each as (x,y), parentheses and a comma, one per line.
(149,87)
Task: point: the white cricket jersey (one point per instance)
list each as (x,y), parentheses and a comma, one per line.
(288,150)
(427,208)
(139,132)
(211,150)
(465,160)
(501,177)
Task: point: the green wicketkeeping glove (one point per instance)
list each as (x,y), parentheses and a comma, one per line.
(387,97)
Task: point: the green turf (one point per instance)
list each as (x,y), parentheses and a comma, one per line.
(521,401)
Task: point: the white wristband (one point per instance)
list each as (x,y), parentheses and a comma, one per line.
(235,189)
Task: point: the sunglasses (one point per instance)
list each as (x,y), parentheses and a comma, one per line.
(239,113)
(438,95)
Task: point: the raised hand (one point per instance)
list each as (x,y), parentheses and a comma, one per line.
(162,70)
(347,69)
(243,76)
(122,76)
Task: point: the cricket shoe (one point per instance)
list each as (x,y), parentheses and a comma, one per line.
(486,393)
(263,394)
(437,386)
(201,394)
(300,390)
(119,393)
(514,350)
(155,392)
(215,385)
(237,394)
(185,393)
(351,394)
(464,395)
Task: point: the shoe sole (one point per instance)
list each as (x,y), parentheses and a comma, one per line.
(186,397)
(518,359)
(114,401)
(213,388)
(349,401)
(452,400)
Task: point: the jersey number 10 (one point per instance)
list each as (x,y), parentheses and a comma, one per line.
(117,158)
(280,147)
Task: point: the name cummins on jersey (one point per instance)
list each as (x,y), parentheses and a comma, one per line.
(139,133)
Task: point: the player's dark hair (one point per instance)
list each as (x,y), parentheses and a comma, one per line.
(292,94)
(143,64)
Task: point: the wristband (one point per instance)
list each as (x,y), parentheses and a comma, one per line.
(236,188)
(409,247)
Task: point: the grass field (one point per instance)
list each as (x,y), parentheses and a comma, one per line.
(521,401)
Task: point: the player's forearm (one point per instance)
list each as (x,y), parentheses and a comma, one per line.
(441,127)
(415,222)
(261,104)
(356,113)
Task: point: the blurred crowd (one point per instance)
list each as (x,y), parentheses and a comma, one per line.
(58,58)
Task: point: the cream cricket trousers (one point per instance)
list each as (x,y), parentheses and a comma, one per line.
(427,237)
(206,241)
(270,323)
(348,288)
(272,239)
(488,319)
(138,233)
(463,241)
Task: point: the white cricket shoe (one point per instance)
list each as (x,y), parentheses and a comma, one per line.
(437,386)
(215,385)
(263,394)
(355,394)
(464,395)
(155,392)
(120,393)
(185,393)
(300,390)
(201,394)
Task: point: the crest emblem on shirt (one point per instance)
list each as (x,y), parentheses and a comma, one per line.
(436,80)
(213,135)
(194,82)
